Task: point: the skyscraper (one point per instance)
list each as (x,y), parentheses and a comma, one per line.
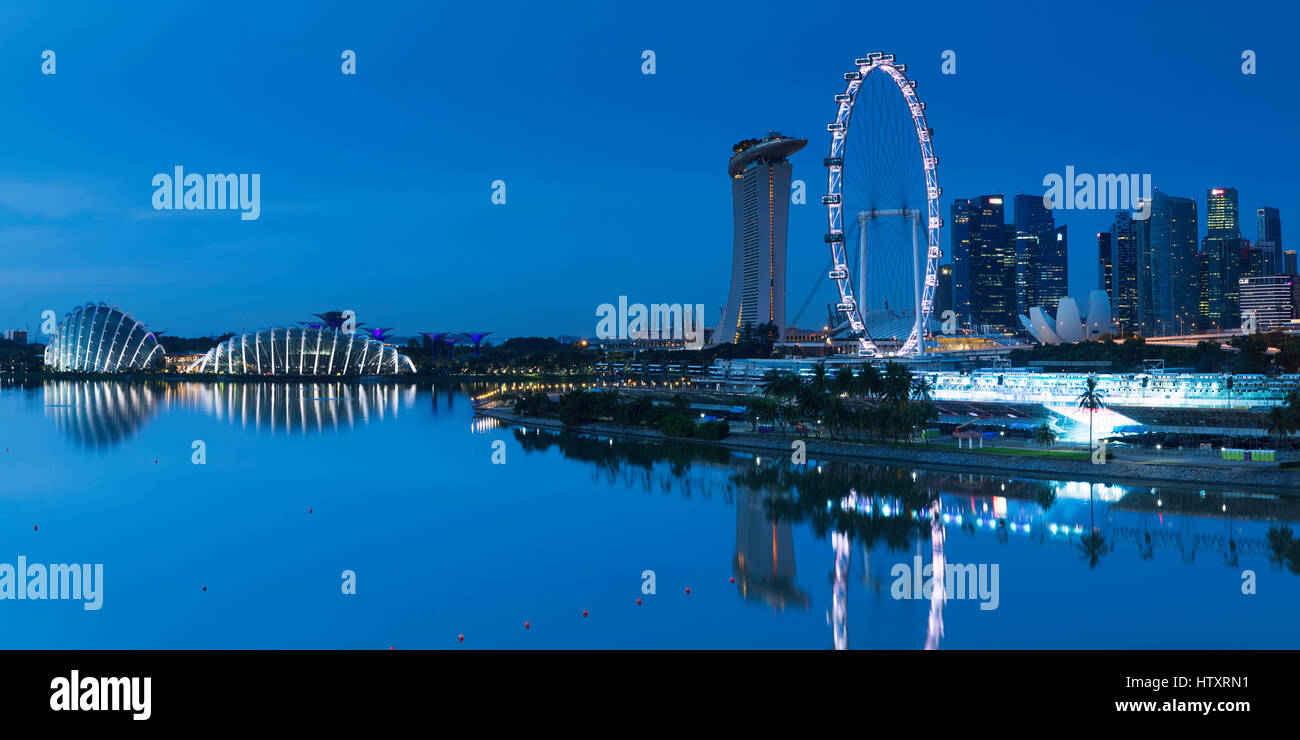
(1222,246)
(960,234)
(1033,227)
(1126,266)
(992,265)
(1271,299)
(1104,263)
(1054,267)
(1268,235)
(943,292)
(1203,290)
(1174,276)
(760,193)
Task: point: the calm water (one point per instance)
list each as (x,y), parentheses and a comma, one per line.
(397,484)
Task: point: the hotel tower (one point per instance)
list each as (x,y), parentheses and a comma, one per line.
(760,191)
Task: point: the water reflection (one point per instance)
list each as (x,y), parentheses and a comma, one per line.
(104,413)
(303,408)
(764,560)
(887,512)
(99,414)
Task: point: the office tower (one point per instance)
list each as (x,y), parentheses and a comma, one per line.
(1202,290)
(1272,300)
(760,193)
(943,292)
(992,266)
(1054,267)
(1145,314)
(1268,235)
(1104,262)
(1222,244)
(1288,262)
(1033,227)
(1257,261)
(1174,271)
(1125,275)
(960,234)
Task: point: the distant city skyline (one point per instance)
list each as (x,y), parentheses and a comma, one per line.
(365,206)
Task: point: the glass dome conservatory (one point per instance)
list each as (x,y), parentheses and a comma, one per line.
(101,338)
(303,351)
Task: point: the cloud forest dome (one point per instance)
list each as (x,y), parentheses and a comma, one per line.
(101,338)
(303,351)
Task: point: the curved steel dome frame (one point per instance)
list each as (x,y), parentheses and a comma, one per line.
(100,338)
(302,351)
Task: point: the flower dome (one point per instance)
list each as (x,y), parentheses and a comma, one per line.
(101,338)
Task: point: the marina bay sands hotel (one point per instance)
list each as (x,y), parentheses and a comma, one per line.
(760,191)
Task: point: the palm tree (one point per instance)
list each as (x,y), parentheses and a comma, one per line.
(869,381)
(1091,400)
(1278,424)
(921,389)
(844,381)
(1044,435)
(897,382)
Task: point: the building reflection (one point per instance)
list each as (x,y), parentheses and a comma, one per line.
(98,413)
(304,408)
(764,559)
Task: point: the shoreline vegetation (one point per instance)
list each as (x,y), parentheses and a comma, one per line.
(882,414)
(1031,463)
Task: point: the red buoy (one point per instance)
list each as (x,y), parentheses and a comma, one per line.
(526,625)
(461,638)
(35,527)
(584,612)
(688,590)
(638,602)
(733,580)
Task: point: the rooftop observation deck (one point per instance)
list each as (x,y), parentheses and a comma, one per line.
(774,147)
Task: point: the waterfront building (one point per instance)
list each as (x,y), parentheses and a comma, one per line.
(102,338)
(303,351)
(1069,324)
(760,191)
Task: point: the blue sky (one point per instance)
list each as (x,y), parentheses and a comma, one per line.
(375,188)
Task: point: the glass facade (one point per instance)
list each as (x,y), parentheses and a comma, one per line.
(303,351)
(101,338)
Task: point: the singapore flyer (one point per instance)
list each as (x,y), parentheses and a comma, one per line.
(882,191)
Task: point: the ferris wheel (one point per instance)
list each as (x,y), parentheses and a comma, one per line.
(882,190)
